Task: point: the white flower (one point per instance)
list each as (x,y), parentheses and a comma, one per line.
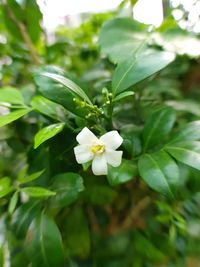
(101,151)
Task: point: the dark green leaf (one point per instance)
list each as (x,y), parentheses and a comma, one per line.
(44,243)
(160,172)
(77,233)
(56,92)
(187,152)
(122,174)
(22,218)
(137,68)
(67,187)
(47,133)
(37,191)
(12,116)
(69,84)
(157,126)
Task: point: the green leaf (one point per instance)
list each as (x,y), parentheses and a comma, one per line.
(12,116)
(77,233)
(67,187)
(188,132)
(37,192)
(69,84)
(120,38)
(122,174)
(45,106)
(137,68)
(11,95)
(33,18)
(44,243)
(5,187)
(30,178)
(123,95)
(157,126)
(47,132)
(56,92)
(187,152)
(13,202)
(160,172)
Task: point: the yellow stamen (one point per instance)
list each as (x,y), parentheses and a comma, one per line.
(98,149)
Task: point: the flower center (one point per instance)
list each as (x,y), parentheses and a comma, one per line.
(98,149)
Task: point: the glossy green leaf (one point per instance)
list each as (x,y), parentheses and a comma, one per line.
(68,84)
(122,174)
(187,152)
(30,178)
(47,132)
(44,243)
(120,38)
(137,68)
(37,191)
(11,95)
(12,116)
(57,92)
(67,187)
(188,132)
(157,126)
(13,202)
(77,233)
(160,172)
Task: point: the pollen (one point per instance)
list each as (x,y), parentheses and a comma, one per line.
(98,149)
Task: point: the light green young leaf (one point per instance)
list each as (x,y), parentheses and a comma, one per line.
(160,172)
(30,178)
(69,84)
(187,152)
(137,68)
(123,95)
(47,133)
(13,202)
(11,95)
(5,187)
(45,106)
(37,191)
(12,116)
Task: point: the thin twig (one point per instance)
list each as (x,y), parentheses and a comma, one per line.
(24,34)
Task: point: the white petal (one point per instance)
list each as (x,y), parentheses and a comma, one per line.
(83,154)
(112,139)
(114,158)
(86,137)
(99,165)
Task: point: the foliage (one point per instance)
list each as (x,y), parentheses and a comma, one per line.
(140,81)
